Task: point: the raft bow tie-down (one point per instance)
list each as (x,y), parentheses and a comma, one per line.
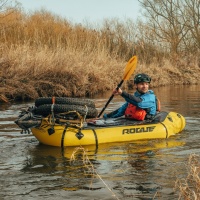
(70,128)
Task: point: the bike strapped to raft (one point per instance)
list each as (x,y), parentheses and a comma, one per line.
(62,110)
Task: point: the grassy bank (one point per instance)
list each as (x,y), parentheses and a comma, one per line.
(44,55)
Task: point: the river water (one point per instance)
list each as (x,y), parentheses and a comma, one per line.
(140,170)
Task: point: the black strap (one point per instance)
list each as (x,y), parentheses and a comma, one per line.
(96,139)
(165,129)
(63,136)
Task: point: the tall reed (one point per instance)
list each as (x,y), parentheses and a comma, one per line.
(189,188)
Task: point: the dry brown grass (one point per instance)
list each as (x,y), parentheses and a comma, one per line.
(44,55)
(189,188)
(59,73)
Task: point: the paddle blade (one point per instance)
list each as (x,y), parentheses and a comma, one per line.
(130,68)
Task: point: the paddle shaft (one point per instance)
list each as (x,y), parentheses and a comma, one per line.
(109,100)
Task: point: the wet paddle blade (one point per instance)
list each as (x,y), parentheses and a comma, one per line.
(130,68)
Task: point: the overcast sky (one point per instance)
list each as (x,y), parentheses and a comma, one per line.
(79,11)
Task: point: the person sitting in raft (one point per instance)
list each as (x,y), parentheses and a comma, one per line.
(141,105)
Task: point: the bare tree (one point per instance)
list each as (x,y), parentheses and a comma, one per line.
(191,18)
(165,22)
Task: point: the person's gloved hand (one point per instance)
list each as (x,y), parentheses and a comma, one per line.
(105,116)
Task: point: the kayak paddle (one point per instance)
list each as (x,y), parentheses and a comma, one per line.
(129,69)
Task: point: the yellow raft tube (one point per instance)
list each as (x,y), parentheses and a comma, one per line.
(116,130)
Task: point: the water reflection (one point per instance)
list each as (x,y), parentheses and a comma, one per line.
(133,164)
(183,99)
(137,170)
(107,151)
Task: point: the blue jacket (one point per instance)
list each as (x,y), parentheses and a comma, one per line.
(146,101)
